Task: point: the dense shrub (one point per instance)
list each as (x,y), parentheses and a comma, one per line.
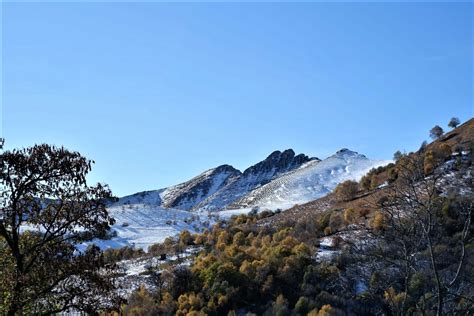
(346,190)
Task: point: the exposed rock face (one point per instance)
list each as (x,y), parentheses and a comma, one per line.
(218,187)
(311,181)
(279,181)
(186,195)
(276,164)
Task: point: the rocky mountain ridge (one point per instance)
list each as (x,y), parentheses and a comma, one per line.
(310,181)
(218,187)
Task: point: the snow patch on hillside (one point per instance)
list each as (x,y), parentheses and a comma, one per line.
(142,225)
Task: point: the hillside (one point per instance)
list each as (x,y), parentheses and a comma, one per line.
(403,239)
(310,181)
(462,136)
(299,184)
(461,140)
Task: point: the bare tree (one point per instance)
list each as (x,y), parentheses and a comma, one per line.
(421,232)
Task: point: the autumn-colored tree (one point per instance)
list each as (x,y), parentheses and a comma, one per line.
(392,175)
(185,238)
(279,307)
(346,190)
(46,210)
(141,303)
(349,216)
(366,180)
(373,182)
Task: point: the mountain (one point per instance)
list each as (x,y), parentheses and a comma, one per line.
(279,181)
(310,181)
(460,166)
(275,165)
(186,195)
(216,188)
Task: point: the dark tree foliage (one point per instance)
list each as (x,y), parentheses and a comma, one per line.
(46,210)
(436,132)
(454,122)
(397,155)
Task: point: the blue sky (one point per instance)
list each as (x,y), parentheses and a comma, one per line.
(155,93)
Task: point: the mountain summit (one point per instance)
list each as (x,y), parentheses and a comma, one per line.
(278,162)
(275,165)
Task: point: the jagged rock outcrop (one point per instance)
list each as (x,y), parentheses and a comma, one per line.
(311,181)
(186,195)
(276,164)
(218,187)
(280,180)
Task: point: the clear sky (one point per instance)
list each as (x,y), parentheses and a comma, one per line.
(155,93)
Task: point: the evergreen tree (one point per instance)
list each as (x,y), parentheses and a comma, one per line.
(436,132)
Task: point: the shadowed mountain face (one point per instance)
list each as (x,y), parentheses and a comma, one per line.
(186,195)
(275,165)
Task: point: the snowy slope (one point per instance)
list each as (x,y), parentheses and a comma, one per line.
(276,164)
(280,181)
(309,182)
(216,188)
(142,225)
(187,194)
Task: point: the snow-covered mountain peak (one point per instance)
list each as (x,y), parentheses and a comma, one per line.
(225,168)
(277,162)
(312,180)
(345,153)
(282,179)
(186,195)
